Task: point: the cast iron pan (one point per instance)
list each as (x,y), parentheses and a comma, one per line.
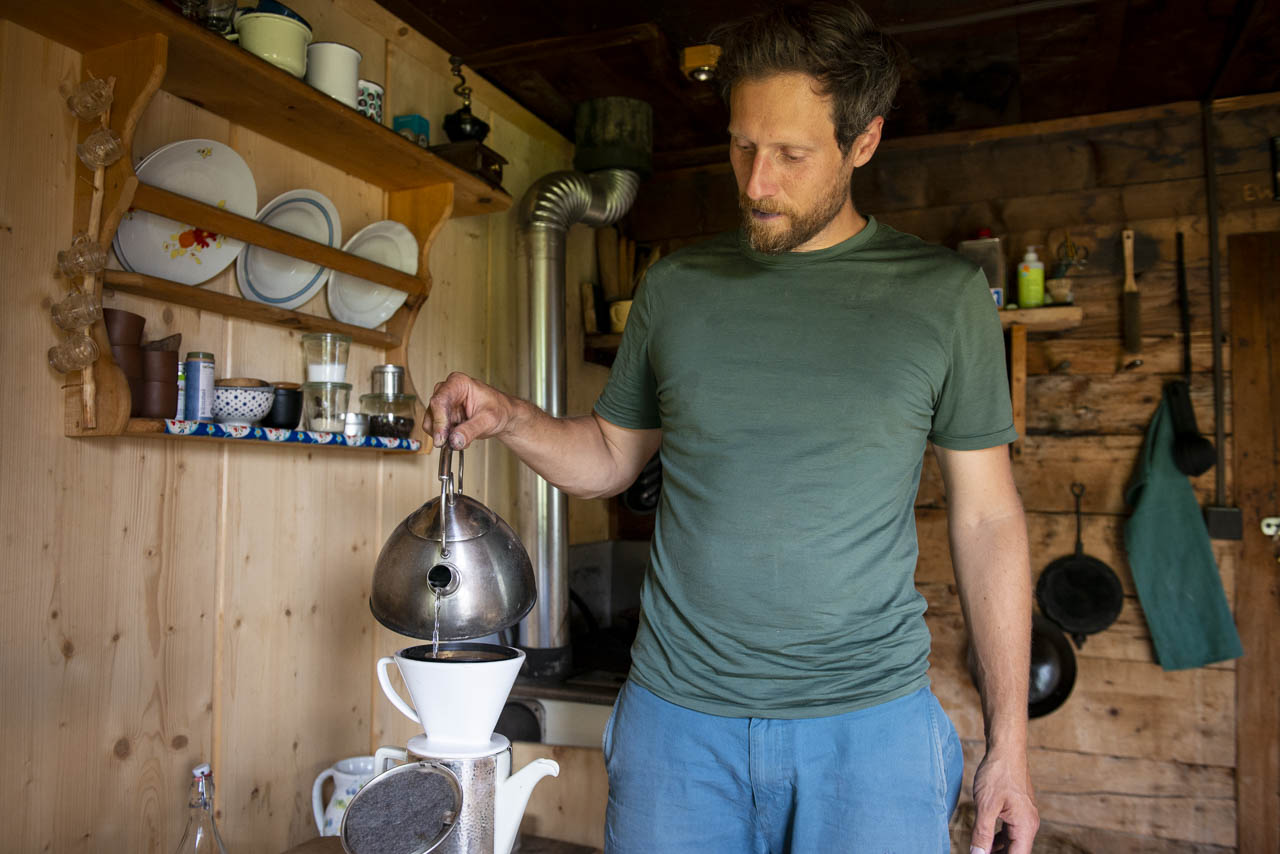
(1053,668)
(1078,592)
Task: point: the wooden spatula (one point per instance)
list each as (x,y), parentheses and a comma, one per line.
(1132,301)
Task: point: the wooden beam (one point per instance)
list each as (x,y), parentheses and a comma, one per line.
(1255,378)
(1018,379)
(563,46)
(718,155)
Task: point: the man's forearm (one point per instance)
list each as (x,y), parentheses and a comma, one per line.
(994,579)
(572,454)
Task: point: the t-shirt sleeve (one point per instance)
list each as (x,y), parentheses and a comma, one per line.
(973,409)
(630,397)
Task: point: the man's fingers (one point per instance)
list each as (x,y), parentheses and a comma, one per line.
(984,827)
(447,406)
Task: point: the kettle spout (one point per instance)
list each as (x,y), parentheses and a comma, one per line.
(513,797)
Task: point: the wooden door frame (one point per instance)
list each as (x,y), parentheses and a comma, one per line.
(1255,396)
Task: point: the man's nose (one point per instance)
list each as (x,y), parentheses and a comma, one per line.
(760,182)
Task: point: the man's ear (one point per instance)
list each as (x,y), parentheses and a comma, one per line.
(867,142)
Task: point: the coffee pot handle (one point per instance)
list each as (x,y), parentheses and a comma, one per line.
(393,695)
(385,757)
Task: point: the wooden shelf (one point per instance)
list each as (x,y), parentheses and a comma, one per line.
(160,428)
(219,76)
(145,47)
(1051,318)
(205,300)
(249,230)
(603,347)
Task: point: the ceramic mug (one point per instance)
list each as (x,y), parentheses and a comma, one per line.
(349,776)
(334,68)
(370,100)
(280,40)
(457,702)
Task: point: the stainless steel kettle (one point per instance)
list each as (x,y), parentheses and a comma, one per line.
(455,563)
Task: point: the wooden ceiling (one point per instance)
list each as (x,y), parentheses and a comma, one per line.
(973,63)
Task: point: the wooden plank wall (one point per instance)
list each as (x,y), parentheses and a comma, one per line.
(1138,759)
(168,603)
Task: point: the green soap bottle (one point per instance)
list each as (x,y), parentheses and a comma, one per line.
(1030,280)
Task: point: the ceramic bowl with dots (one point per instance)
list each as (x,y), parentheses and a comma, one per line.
(241,404)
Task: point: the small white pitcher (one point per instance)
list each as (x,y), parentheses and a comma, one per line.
(349,776)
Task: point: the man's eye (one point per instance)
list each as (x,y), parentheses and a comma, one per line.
(792,158)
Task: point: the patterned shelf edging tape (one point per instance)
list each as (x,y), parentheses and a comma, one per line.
(175,427)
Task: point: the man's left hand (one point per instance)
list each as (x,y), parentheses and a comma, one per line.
(1002,789)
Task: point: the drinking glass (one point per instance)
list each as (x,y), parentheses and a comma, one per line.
(76,352)
(76,310)
(85,256)
(218,15)
(100,148)
(90,99)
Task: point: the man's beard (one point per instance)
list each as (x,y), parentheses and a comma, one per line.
(766,237)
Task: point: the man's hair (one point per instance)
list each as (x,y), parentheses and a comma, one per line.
(835,43)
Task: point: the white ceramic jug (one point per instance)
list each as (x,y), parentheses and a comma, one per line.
(349,775)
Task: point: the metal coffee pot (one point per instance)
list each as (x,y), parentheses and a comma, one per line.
(452,564)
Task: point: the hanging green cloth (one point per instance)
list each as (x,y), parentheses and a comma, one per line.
(1172,560)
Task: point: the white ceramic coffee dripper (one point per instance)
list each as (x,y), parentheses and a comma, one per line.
(457,698)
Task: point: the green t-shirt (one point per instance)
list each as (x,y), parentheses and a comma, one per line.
(796,394)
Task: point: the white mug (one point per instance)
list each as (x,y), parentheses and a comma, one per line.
(334,69)
(456,702)
(349,776)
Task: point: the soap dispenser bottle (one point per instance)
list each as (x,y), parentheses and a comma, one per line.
(1030,280)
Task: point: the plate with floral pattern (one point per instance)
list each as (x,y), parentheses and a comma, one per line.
(201,169)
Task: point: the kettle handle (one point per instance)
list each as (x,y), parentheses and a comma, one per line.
(449,487)
(446,469)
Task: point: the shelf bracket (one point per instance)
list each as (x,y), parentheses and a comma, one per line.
(139,68)
(424,210)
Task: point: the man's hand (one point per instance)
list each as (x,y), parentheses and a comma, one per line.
(463,409)
(1002,789)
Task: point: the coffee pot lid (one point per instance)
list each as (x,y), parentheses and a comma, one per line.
(410,809)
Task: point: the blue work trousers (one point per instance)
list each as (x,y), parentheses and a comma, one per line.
(880,780)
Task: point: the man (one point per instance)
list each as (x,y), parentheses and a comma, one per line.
(793,374)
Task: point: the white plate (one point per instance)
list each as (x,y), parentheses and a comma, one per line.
(275,279)
(363,303)
(201,169)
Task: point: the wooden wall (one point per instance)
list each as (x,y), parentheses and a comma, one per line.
(1137,760)
(167,603)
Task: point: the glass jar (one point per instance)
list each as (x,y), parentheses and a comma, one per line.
(326,357)
(324,405)
(390,415)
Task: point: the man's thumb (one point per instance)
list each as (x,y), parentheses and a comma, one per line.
(984,832)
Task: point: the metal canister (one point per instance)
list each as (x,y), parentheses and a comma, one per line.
(387,379)
(198,370)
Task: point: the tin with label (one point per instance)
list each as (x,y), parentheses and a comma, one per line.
(198,371)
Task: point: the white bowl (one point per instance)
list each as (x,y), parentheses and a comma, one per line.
(235,405)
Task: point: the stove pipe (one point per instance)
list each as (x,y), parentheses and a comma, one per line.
(555,202)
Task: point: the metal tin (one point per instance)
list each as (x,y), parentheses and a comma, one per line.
(198,403)
(387,379)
